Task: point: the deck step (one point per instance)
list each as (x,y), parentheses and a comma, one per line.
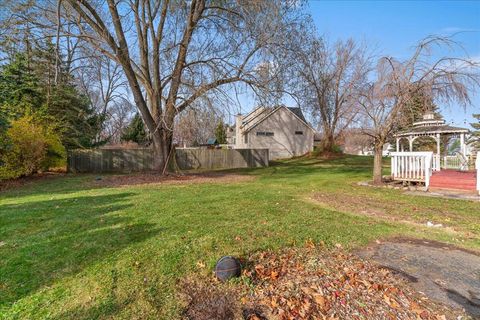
(446,186)
(469,184)
(452,179)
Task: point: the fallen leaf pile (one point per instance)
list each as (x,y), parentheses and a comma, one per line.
(316,283)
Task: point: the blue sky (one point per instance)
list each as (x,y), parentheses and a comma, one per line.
(393,27)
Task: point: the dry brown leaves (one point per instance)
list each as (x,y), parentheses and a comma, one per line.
(315,283)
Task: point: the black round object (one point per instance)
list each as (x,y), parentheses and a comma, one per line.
(228,267)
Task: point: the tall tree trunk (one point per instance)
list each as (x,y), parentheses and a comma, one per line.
(377,162)
(162,146)
(158,147)
(328,141)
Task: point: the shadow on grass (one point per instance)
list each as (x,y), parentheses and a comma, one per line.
(55,184)
(308,165)
(44,241)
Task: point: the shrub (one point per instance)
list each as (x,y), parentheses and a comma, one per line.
(335,152)
(29,147)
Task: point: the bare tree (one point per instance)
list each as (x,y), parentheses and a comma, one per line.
(120,114)
(102,80)
(195,126)
(357,142)
(174,52)
(386,103)
(326,81)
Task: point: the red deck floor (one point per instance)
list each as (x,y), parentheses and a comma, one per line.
(453,179)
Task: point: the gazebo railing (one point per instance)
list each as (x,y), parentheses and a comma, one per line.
(451,162)
(412,166)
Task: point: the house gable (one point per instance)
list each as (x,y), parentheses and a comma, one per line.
(295,112)
(283,133)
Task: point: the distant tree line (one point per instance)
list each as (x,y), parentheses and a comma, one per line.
(81,74)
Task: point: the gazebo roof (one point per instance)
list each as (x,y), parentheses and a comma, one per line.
(430,125)
(431,130)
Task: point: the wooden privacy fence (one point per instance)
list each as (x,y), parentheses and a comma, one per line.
(110,160)
(142,159)
(221,158)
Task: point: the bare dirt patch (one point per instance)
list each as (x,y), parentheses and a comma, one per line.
(399,210)
(444,272)
(209,299)
(156,178)
(317,283)
(367,205)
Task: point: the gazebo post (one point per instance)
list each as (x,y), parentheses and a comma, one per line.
(438,144)
(410,143)
(462,143)
(398,145)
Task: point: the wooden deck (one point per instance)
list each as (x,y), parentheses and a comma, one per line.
(453,179)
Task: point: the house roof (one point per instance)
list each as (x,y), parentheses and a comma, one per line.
(258,115)
(212,141)
(298,112)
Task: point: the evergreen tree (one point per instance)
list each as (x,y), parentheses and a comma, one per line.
(419,104)
(73,111)
(75,116)
(221,133)
(135,131)
(30,84)
(475,137)
(20,89)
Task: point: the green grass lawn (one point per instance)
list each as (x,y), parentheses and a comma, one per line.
(72,249)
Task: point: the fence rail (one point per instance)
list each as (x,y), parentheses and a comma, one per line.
(412,166)
(142,159)
(451,162)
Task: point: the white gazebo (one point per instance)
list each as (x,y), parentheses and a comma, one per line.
(417,167)
(432,127)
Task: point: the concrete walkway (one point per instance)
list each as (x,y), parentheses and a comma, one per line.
(446,194)
(443,272)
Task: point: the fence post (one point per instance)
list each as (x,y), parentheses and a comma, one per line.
(392,166)
(477,166)
(428,170)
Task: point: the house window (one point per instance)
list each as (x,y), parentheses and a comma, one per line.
(265,133)
(299,132)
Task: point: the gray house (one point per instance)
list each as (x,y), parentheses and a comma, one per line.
(282,130)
